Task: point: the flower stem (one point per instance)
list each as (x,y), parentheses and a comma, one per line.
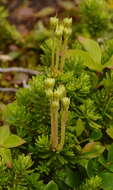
(57,53)
(54,128)
(63,56)
(64,116)
(53,54)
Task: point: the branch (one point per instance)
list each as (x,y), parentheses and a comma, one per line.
(19,69)
(8,89)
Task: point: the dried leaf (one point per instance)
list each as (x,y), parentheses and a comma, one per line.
(92,150)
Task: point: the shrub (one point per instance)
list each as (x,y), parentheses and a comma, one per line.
(85,159)
(91,21)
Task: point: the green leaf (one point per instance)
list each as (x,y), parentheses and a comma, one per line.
(110,154)
(51,186)
(109,166)
(92,167)
(6,156)
(87,60)
(4,133)
(13,141)
(109,131)
(71,178)
(109,64)
(83,162)
(109,163)
(79,127)
(92,48)
(94,125)
(96,134)
(107,180)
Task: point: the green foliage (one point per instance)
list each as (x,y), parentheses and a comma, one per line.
(21,176)
(85,159)
(8,32)
(107,50)
(92,22)
(8,140)
(27,110)
(94,183)
(51,185)
(37,35)
(89,59)
(47,51)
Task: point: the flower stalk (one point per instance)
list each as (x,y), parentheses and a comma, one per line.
(61,32)
(54,126)
(64,118)
(59,103)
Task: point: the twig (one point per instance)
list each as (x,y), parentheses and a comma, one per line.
(16,69)
(8,89)
(19,69)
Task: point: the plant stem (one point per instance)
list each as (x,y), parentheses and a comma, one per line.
(57,58)
(64,116)
(53,54)
(57,53)
(63,56)
(54,128)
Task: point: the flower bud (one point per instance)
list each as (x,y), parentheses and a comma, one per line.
(67,32)
(53,22)
(56,94)
(59,93)
(49,83)
(59,31)
(49,93)
(55,105)
(67,22)
(65,102)
(62,90)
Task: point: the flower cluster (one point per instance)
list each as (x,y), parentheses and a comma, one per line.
(61,32)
